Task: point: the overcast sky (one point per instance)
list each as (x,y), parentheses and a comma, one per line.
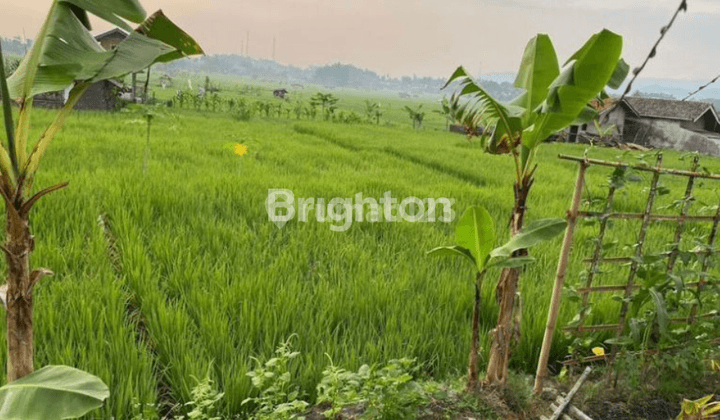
(430,37)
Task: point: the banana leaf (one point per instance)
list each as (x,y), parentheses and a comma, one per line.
(65,52)
(52,393)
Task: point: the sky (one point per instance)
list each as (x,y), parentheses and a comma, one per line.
(429,37)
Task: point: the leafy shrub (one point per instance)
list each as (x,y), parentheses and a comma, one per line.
(204,399)
(278,398)
(388,392)
(701,409)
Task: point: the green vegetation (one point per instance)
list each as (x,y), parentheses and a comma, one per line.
(161,292)
(475,235)
(416,115)
(552,99)
(52,393)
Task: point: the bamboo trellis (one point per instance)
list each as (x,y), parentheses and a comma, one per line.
(646,218)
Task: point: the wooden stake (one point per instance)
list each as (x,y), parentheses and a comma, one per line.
(566,401)
(559,280)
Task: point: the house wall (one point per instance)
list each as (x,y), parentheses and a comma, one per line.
(669,134)
(49,100)
(616,116)
(100,95)
(111,41)
(706,122)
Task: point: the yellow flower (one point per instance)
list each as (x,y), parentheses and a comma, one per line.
(240,149)
(598,351)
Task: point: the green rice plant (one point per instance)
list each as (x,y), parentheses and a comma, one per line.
(194,292)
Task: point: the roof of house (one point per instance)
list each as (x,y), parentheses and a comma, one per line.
(115,31)
(669,109)
(114,83)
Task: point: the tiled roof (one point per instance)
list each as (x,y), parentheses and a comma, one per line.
(668,109)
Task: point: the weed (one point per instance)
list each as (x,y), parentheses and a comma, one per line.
(386,392)
(279,397)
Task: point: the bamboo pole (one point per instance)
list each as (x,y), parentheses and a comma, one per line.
(651,217)
(595,259)
(639,167)
(560,279)
(638,252)
(574,410)
(683,217)
(622,260)
(566,401)
(705,264)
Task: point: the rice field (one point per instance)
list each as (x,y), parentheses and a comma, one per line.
(198,281)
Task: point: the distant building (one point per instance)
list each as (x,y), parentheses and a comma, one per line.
(111,38)
(280,93)
(166,81)
(102,95)
(672,124)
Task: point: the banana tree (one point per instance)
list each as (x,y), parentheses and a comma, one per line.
(475,237)
(64,54)
(553,99)
(416,115)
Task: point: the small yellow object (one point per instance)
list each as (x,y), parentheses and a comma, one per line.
(598,351)
(240,149)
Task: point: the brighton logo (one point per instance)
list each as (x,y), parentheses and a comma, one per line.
(282,207)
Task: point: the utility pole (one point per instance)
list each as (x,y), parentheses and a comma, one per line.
(247,44)
(273,56)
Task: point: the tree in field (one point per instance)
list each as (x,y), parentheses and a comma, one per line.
(446,111)
(553,99)
(416,115)
(64,54)
(475,238)
(326,101)
(372,111)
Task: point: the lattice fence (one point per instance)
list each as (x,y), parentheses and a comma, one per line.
(705,254)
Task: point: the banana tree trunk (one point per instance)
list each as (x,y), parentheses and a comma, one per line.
(19,296)
(21,281)
(505,330)
(474,348)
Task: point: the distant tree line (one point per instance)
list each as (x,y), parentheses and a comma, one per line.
(333,75)
(654,95)
(15,46)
